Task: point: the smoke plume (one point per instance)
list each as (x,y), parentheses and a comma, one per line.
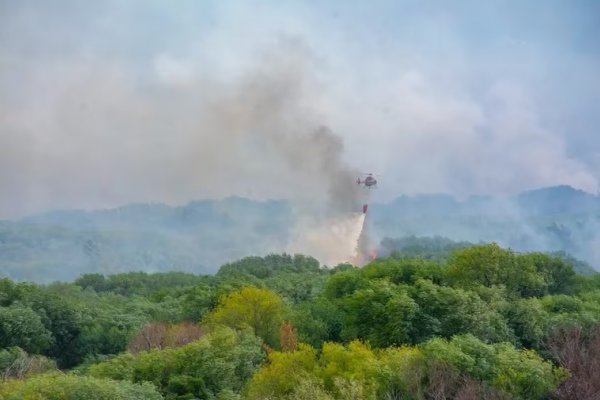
(265,110)
(124,102)
(333,241)
(264,118)
(257,133)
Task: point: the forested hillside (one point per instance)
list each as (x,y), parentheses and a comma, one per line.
(437,321)
(195,238)
(202,235)
(549,219)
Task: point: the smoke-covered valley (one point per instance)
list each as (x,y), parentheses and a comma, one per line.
(201,236)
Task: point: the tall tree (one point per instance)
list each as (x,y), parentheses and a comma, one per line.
(258,309)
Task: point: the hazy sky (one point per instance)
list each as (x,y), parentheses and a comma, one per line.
(109,102)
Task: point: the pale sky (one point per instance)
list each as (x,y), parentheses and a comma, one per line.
(104,103)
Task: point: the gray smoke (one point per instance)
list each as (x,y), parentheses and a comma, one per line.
(121,102)
(265,118)
(103,136)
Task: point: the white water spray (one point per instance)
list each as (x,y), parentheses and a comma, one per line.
(333,241)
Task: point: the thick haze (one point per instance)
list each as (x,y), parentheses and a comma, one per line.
(110,102)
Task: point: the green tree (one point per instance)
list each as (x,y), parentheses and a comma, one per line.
(345,283)
(220,362)
(259,309)
(523,374)
(401,373)
(11,292)
(95,281)
(349,371)
(528,320)
(337,372)
(558,274)
(284,373)
(63,386)
(263,267)
(16,363)
(21,326)
(447,311)
(383,314)
(405,271)
(490,265)
(62,319)
(198,302)
(319,320)
(309,389)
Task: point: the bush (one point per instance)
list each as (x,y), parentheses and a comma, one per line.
(63,386)
(16,363)
(220,361)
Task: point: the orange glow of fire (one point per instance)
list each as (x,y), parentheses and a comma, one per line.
(373,255)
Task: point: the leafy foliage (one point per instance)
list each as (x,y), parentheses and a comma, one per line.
(356,371)
(219,362)
(258,309)
(264,267)
(16,363)
(21,326)
(64,386)
(474,324)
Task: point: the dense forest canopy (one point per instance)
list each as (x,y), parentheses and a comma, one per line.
(441,320)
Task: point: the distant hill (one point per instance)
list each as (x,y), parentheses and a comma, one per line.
(197,237)
(202,235)
(558,199)
(548,219)
(440,249)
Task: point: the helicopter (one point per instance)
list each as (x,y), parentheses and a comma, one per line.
(369,182)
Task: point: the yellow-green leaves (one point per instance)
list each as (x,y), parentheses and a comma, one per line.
(284,373)
(259,309)
(521,373)
(221,361)
(337,372)
(64,386)
(355,371)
